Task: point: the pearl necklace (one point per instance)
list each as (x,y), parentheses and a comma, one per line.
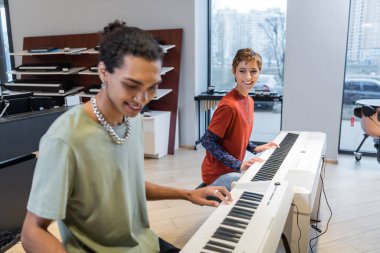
(245,107)
(108,127)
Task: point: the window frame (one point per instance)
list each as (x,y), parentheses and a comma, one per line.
(10,40)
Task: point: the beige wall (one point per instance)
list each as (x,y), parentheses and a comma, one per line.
(314,67)
(54,17)
(315,50)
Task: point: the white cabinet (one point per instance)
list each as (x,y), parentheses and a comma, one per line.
(156,134)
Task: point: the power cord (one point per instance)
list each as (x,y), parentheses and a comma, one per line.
(328,205)
(315,226)
(286,243)
(299,229)
(323,170)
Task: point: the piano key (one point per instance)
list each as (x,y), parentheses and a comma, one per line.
(252,199)
(239,207)
(301,156)
(261,178)
(246,204)
(242,210)
(240,215)
(227,233)
(224,232)
(217,249)
(266,174)
(222,244)
(236,221)
(230,238)
(273,163)
(233,224)
(232,230)
(225,237)
(252,194)
(251,205)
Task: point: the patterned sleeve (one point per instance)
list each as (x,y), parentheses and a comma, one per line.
(251,147)
(210,143)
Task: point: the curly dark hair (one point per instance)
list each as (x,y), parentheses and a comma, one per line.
(119,40)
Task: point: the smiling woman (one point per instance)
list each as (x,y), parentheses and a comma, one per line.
(227,137)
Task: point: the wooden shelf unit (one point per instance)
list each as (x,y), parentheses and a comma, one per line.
(71,71)
(171,40)
(171,79)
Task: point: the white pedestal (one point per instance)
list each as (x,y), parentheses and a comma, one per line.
(156,134)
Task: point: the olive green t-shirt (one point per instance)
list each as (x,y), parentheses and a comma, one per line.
(94,187)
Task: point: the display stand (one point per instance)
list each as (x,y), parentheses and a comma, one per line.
(83,56)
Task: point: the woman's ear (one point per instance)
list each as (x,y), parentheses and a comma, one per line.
(102,72)
(233,73)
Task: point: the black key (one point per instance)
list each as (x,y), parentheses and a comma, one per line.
(249,205)
(210,247)
(251,201)
(261,179)
(242,211)
(253,194)
(267,172)
(236,221)
(256,199)
(241,215)
(232,224)
(227,234)
(232,231)
(226,238)
(245,204)
(220,244)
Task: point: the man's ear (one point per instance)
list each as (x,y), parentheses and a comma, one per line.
(102,72)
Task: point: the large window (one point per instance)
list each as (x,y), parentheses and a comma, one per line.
(5,60)
(362,79)
(259,25)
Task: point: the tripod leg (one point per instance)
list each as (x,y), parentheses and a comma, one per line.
(377,146)
(357,154)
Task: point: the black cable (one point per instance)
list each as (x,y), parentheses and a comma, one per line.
(286,243)
(327,226)
(328,221)
(299,229)
(315,227)
(319,203)
(320,193)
